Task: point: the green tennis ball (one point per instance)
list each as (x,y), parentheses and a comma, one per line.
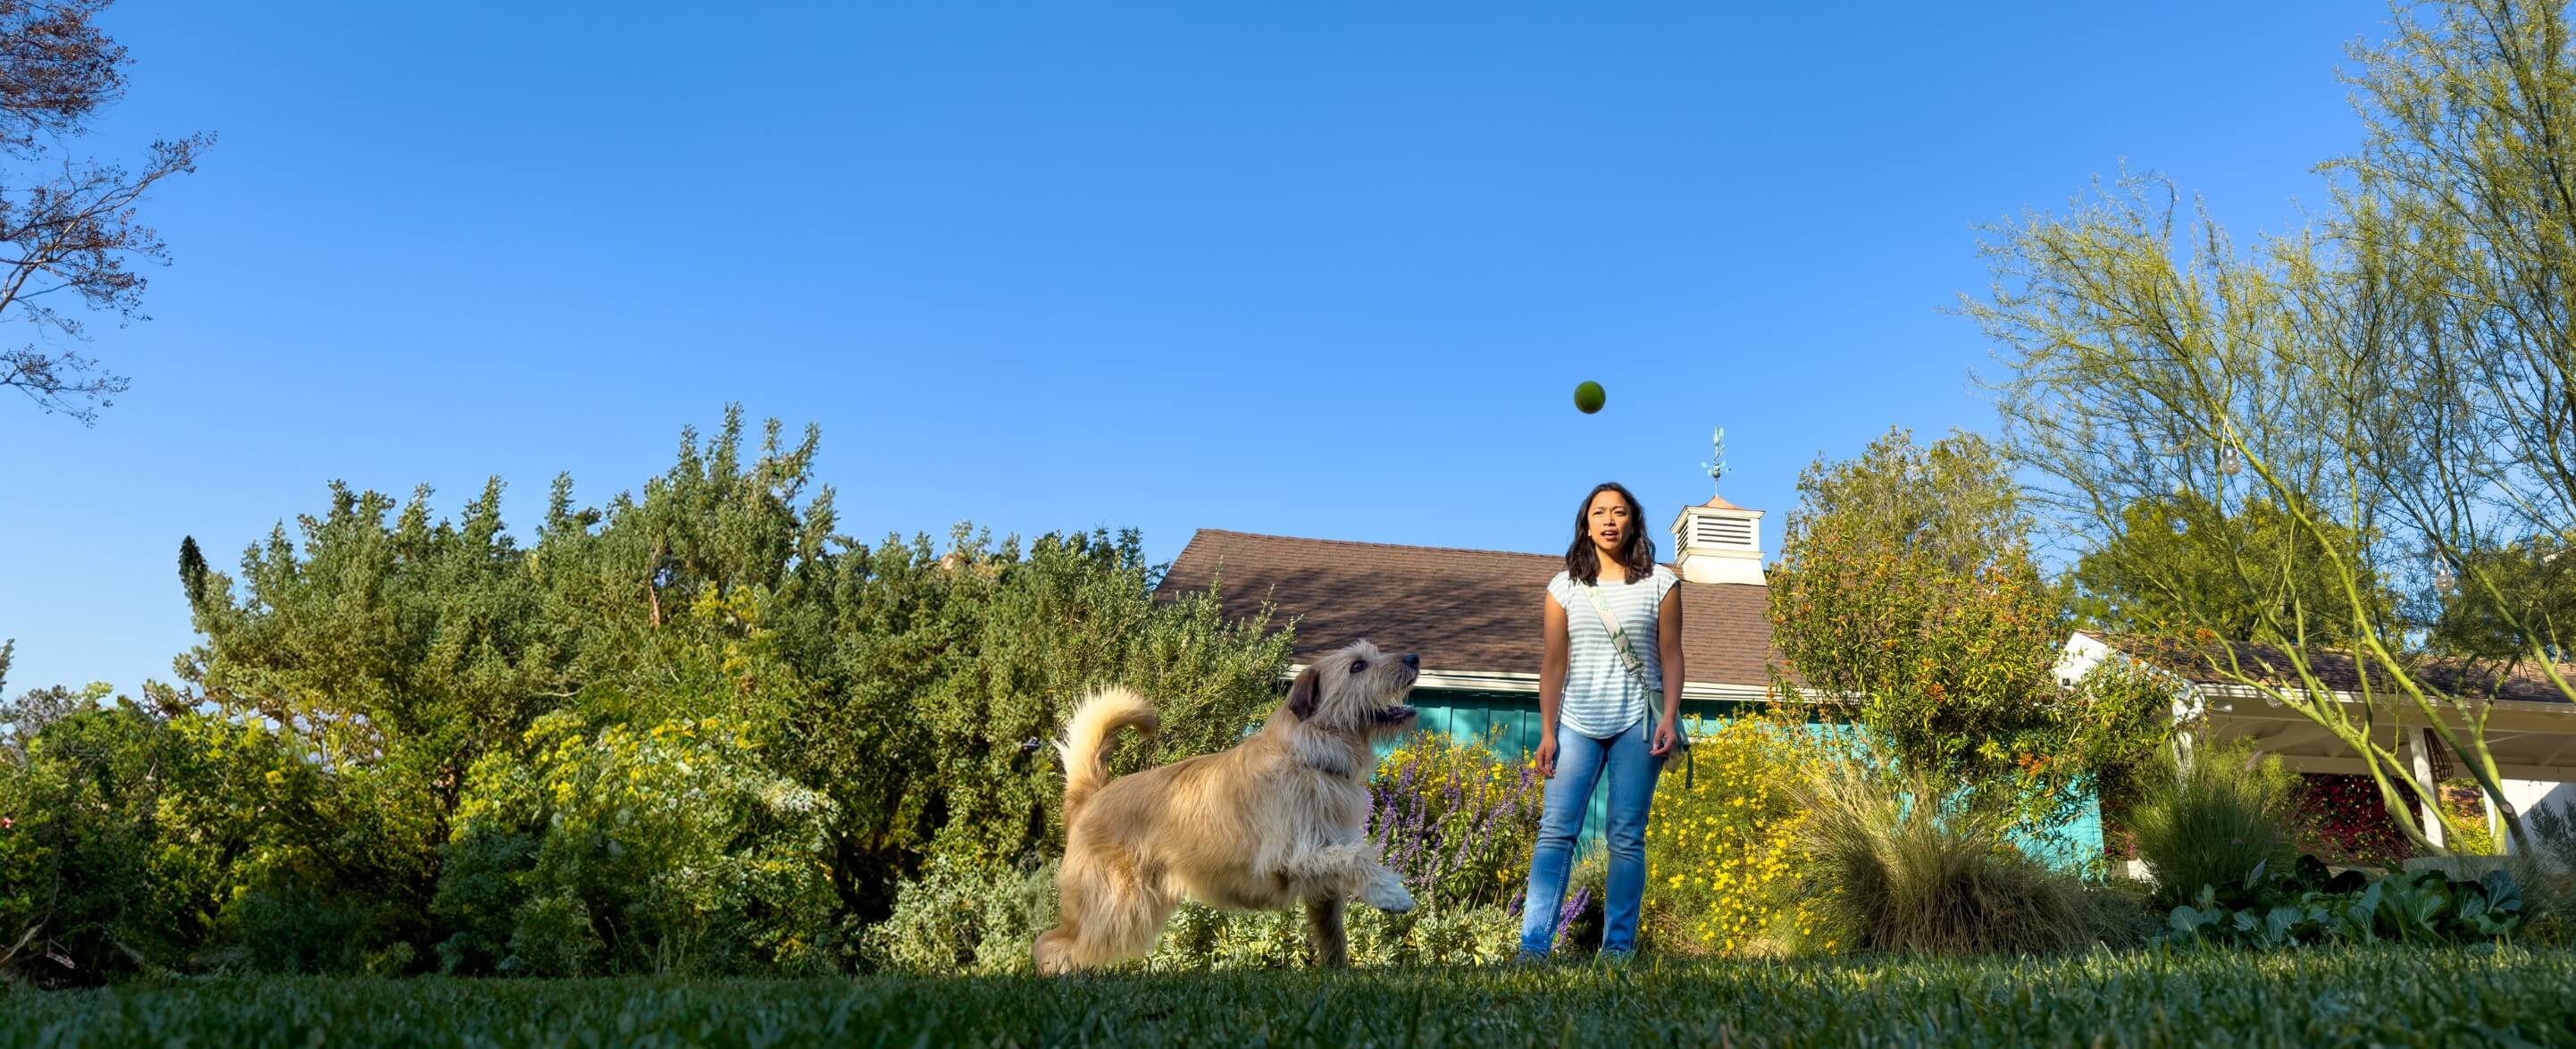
(1588,397)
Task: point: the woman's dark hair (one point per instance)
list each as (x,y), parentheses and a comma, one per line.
(1636,552)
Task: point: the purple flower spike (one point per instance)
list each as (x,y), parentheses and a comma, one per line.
(1565,916)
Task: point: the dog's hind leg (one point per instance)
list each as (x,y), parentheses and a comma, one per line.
(1053,952)
(1107,915)
(1327,941)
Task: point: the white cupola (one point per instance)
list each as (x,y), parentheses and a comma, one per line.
(1718,541)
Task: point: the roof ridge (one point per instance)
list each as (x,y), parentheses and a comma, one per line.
(1357,542)
(1196,533)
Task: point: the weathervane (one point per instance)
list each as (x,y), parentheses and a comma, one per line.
(1716,467)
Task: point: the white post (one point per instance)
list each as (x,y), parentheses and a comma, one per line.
(2420,755)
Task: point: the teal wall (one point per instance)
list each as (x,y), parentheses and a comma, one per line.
(1513,720)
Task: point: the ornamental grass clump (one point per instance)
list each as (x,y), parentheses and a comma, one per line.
(1903,866)
(2212,819)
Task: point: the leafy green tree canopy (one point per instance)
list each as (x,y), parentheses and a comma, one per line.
(1905,583)
(2168,570)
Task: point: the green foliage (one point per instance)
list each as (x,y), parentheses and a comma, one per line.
(2547,874)
(128,838)
(1894,871)
(2530,591)
(2471,835)
(1070,616)
(1905,579)
(960,920)
(2393,379)
(1889,590)
(2209,821)
(2303,904)
(1202,939)
(694,730)
(614,848)
(2171,569)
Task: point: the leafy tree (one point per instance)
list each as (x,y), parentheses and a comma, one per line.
(1904,582)
(2528,587)
(2394,380)
(395,654)
(71,223)
(2168,567)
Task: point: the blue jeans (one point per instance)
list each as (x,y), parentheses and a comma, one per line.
(1580,761)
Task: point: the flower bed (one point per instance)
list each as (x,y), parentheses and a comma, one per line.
(1722,849)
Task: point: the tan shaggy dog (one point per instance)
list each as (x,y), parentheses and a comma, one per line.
(1277,821)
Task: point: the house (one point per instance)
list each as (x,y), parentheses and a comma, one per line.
(1473,615)
(2530,723)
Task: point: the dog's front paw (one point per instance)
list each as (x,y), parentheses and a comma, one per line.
(1387,894)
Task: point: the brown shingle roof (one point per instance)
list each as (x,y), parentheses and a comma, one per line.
(2201,663)
(1460,610)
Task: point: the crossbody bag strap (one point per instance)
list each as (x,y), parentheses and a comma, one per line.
(1618,637)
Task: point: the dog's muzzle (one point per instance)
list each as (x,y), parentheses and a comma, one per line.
(1398,714)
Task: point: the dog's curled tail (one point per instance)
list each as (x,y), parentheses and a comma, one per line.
(1085,746)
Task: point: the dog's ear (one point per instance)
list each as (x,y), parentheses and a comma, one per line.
(1302,695)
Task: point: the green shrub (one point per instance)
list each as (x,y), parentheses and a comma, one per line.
(1893,873)
(2214,818)
(1204,938)
(1906,579)
(405,656)
(666,848)
(129,836)
(955,919)
(285,924)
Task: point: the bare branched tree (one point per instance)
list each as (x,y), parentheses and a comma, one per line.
(70,225)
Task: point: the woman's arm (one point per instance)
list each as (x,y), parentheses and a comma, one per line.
(1668,639)
(1551,681)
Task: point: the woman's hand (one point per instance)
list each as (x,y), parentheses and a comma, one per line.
(1665,739)
(1547,755)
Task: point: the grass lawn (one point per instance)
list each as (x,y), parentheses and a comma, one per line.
(2383,996)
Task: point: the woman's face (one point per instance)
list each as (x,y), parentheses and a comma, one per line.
(1606,521)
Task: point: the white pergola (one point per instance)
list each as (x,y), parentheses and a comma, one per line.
(2534,741)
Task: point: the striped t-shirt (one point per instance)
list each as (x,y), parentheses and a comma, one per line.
(1602,699)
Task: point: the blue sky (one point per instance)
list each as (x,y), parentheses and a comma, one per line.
(1319,270)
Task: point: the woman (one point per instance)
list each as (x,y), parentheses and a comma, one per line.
(1603,711)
